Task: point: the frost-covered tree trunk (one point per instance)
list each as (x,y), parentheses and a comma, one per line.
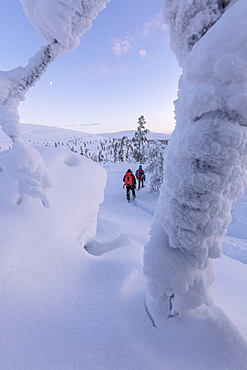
(23,162)
(206,160)
(60,23)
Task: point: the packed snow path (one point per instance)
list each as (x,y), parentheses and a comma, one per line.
(234,245)
(143,208)
(121,223)
(129,224)
(235,242)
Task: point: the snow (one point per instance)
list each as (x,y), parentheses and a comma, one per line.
(67,307)
(24,164)
(151,135)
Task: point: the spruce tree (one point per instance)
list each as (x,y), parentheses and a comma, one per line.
(140,139)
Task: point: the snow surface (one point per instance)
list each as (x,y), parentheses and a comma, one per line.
(67,307)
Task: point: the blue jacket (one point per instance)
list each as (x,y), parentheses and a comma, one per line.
(140,173)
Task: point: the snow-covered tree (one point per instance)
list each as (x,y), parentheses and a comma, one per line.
(60,23)
(206,160)
(116,151)
(125,150)
(101,157)
(155,165)
(140,140)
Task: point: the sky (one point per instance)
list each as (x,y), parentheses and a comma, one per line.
(123,69)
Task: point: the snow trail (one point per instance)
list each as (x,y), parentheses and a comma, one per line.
(145,202)
(235,248)
(143,206)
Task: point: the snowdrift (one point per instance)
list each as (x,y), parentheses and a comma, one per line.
(42,254)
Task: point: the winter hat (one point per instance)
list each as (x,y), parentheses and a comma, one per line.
(140,167)
(129,170)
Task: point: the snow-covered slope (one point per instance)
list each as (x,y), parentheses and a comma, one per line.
(131,133)
(42,131)
(39,134)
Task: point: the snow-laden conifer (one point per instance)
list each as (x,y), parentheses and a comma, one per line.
(140,139)
(206,159)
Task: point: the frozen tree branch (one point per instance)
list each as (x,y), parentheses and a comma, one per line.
(61,23)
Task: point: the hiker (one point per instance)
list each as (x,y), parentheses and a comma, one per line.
(130,183)
(140,175)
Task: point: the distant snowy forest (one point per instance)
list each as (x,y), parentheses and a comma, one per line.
(109,149)
(126,149)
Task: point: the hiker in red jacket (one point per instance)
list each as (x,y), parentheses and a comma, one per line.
(130,183)
(140,175)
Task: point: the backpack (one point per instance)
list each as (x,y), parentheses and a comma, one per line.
(139,174)
(128,180)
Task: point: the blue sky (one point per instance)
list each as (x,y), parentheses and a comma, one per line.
(123,69)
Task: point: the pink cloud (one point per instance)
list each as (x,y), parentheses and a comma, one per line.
(155,23)
(143,53)
(121,46)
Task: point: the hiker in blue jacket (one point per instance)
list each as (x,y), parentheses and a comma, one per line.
(140,175)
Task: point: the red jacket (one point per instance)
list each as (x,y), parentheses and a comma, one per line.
(129,179)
